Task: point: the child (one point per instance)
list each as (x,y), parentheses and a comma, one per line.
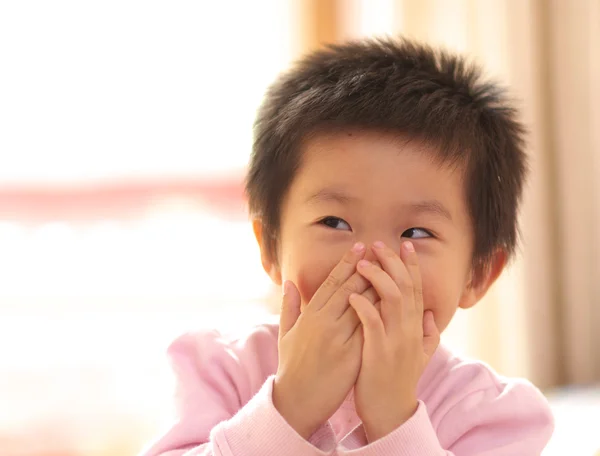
(384,187)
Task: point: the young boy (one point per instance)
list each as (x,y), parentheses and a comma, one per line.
(384,187)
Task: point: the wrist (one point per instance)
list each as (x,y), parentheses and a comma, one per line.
(291,410)
(377,427)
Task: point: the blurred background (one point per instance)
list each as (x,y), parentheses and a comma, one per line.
(125,128)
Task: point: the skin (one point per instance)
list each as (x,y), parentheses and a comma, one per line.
(382,192)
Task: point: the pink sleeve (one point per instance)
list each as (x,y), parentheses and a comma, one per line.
(224,405)
(490,422)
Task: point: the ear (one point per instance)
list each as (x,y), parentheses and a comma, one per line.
(268,263)
(475,290)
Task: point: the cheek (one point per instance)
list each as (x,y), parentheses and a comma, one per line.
(308,282)
(441,294)
(308,270)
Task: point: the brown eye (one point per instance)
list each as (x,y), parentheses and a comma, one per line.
(417,233)
(336,223)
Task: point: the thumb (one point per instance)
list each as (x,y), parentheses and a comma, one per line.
(431,334)
(290,308)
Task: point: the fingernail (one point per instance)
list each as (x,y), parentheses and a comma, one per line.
(364,264)
(409,247)
(286,287)
(358,247)
(378,245)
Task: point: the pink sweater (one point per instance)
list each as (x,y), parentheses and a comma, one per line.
(224,408)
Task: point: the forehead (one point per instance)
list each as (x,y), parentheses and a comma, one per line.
(382,165)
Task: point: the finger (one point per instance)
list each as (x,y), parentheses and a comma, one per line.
(371,295)
(355,342)
(411,260)
(377,306)
(290,308)
(386,288)
(340,274)
(374,298)
(338,303)
(395,268)
(392,264)
(373,328)
(348,323)
(431,334)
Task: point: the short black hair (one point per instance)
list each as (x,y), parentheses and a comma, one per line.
(396,85)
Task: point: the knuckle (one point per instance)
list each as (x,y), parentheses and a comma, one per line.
(355,284)
(389,253)
(418,292)
(406,285)
(333,281)
(395,294)
(350,287)
(413,259)
(348,260)
(371,294)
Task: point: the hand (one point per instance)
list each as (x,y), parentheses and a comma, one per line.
(319,347)
(399,340)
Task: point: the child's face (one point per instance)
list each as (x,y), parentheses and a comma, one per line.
(367,186)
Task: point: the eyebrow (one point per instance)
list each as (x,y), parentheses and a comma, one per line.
(434,207)
(327,195)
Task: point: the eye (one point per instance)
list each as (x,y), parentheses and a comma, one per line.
(336,223)
(417,233)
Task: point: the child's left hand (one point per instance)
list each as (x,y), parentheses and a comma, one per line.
(399,340)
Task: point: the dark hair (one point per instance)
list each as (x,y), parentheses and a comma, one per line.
(401,86)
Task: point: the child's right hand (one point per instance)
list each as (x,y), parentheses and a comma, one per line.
(319,348)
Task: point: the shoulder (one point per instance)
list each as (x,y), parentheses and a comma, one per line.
(241,361)
(449,375)
(462,394)
(257,340)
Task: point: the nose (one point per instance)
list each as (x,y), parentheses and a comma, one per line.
(369,255)
(393,244)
